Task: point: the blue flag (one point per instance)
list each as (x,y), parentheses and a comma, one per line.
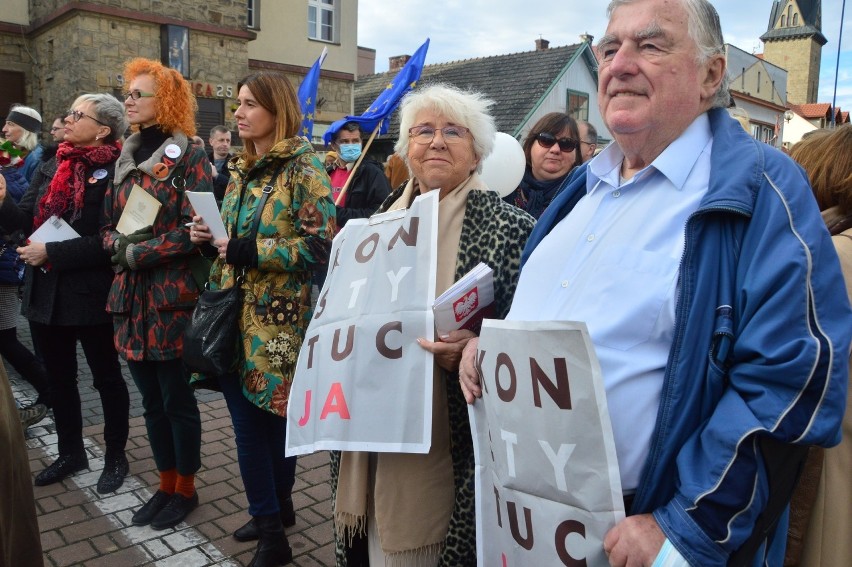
(308,96)
(379,112)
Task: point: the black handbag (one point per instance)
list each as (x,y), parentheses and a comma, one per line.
(210,340)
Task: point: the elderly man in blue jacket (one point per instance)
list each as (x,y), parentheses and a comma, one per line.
(697,257)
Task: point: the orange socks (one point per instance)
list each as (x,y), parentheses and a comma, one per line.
(168,480)
(185,485)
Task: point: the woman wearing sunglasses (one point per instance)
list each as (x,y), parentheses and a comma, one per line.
(154,290)
(552,150)
(67,282)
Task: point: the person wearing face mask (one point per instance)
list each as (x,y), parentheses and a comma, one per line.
(369,186)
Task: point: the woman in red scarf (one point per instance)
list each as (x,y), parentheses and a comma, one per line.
(67,283)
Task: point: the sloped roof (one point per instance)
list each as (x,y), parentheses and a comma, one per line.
(516,82)
(810,26)
(811,110)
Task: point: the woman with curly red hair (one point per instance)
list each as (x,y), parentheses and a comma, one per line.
(154,292)
(296,224)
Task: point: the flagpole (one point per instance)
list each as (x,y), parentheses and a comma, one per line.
(837,67)
(357,163)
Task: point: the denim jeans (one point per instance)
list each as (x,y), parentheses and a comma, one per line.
(267,474)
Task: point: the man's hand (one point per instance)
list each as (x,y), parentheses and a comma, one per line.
(469,373)
(448,350)
(634,542)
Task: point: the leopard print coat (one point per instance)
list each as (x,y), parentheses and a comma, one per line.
(493,232)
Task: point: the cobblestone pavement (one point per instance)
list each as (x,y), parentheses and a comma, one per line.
(81,527)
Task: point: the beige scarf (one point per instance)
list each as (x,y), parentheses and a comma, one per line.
(412,495)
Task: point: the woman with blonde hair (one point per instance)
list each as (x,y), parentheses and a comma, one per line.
(280,221)
(822,518)
(154,291)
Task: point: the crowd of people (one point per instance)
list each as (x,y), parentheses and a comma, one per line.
(703,262)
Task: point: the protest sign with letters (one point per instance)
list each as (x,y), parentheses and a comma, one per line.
(547,482)
(362,382)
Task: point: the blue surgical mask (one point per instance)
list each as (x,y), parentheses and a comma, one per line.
(350,152)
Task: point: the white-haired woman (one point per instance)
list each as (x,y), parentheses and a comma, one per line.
(419,509)
(67,282)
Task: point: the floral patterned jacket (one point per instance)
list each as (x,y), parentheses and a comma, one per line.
(296,227)
(152,303)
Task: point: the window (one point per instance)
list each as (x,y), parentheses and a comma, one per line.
(758,81)
(784,21)
(253,18)
(578,105)
(795,19)
(321,20)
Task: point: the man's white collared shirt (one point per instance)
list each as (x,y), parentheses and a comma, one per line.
(613,263)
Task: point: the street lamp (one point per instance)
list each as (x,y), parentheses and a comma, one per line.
(788,116)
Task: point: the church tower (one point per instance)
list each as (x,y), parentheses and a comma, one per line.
(793,41)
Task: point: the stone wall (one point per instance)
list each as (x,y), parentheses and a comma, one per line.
(87,53)
(227,13)
(801,58)
(15,56)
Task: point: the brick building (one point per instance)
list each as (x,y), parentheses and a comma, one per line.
(53,50)
(793,41)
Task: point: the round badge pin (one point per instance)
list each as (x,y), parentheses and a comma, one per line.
(99,173)
(160,170)
(173,150)
(92,180)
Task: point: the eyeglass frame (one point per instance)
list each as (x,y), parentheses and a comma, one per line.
(55,128)
(136,94)
(450,140)
(78,115)
(589,143)
(560,142)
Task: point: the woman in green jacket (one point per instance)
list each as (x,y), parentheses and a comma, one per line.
(297,222)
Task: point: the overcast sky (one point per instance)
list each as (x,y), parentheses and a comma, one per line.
(464,29)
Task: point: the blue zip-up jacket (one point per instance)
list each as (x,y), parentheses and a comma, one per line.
(760,348)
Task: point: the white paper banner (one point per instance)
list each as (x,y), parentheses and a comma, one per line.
(362,382)
(547,482)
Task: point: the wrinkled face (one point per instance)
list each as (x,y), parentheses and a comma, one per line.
(254,122)
(650,83)
(12,132)
(84,131)
(57,130)
(439,165)
(221,144)
(142,111)
(551,163)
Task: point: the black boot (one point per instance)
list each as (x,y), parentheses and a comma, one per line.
(248,532)
(273,549)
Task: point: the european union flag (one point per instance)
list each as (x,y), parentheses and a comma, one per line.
(308,96)
(389,98)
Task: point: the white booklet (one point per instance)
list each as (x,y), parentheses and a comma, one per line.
(54,229)
(204,203)
(140,211)
(466,302)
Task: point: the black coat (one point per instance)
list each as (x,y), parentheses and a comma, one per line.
(367,191)
(220,182)
(74,288)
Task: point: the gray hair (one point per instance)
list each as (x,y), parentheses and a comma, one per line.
(462,108)
(705,29)
(591,131)
(29,139)
(218,129)
(109,111)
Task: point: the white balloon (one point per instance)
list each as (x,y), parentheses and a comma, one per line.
(503,170)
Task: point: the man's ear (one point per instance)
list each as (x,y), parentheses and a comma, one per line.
(714,71)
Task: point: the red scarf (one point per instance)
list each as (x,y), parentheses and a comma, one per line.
(68,186)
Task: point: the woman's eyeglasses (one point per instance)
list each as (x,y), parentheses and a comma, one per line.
(136,94)
(425,134)
(76,116)
(546,140)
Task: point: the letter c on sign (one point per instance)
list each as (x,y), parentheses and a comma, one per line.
(562,531)
(381,342)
